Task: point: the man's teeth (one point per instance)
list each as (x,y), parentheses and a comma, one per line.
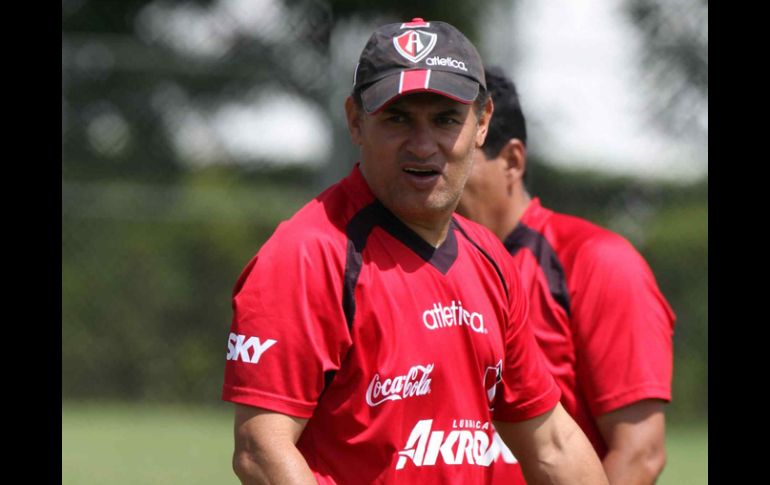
(418,170)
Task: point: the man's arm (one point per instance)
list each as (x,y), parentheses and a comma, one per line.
(265,450)
(552,449)
(635,437)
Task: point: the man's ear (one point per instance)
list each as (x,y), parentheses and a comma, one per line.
(486,115)
(354,117)
(515,155)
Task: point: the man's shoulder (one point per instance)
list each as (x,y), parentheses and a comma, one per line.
(580,242)
(591,243)
(578,227)
(560,227)
(320,223)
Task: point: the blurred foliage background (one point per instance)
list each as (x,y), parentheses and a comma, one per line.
(165,195)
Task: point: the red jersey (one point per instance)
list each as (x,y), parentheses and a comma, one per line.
(400,354)
(596,312)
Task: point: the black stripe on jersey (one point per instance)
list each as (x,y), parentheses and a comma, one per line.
(524,236)
(328,378)
(358,230)
(486,255)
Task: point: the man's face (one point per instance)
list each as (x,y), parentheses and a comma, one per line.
(486,193)
(416,153)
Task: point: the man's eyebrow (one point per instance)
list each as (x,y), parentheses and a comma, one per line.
(450,112)
(395,111)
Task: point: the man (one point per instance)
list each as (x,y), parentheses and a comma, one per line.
(376,336)
(595,308)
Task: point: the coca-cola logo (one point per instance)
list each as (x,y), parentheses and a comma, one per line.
(416,382)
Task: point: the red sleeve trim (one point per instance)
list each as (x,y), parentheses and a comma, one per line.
(273,402)
(629,396)
(533,408)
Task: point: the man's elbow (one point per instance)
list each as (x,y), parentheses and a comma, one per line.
(247,468)
(654,460)
(242,463)
(645,462)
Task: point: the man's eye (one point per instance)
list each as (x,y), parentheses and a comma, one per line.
(397,119)
(448,120)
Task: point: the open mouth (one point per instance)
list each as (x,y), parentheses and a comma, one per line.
(421,172)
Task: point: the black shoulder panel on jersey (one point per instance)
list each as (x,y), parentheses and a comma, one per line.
(524,236)
(357,230)
(486,255)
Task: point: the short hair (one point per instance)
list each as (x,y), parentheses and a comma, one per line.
(508,119)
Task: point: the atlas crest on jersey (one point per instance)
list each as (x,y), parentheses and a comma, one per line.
(492,377)
(415,45)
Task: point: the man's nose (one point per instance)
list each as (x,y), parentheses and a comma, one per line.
(421,141)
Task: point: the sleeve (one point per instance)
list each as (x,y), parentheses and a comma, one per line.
(288,327)
(622,327)
(528,389)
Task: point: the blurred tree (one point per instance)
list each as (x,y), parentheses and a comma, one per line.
(142,80)
(107,126)
(675,62)
(675,65)
(462,15)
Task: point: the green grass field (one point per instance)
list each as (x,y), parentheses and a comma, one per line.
(688,456)
(123,444)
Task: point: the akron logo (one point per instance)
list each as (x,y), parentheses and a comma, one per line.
(415,45)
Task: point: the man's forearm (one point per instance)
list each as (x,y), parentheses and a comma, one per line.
(636,442)
(265,447)
(571,460)
(284,465)
(552,449)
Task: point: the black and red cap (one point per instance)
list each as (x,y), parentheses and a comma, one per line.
(417,56)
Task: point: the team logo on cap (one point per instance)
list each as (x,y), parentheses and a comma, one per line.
(415,45)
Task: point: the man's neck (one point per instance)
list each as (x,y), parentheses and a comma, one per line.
(432,228)
(519,204)
(434,233)
(502,223)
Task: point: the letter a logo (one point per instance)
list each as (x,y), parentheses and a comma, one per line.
(414,45)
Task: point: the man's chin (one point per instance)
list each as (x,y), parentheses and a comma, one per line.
(424,206)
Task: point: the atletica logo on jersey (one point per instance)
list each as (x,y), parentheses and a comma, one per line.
(415,45)
(416,382)
(453,315)
(238,348)
(471,445)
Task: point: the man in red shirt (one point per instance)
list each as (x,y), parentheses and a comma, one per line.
(379,338)
(595,307)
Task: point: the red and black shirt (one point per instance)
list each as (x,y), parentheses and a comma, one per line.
(400,354)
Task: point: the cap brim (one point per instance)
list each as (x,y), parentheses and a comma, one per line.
(387,90)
